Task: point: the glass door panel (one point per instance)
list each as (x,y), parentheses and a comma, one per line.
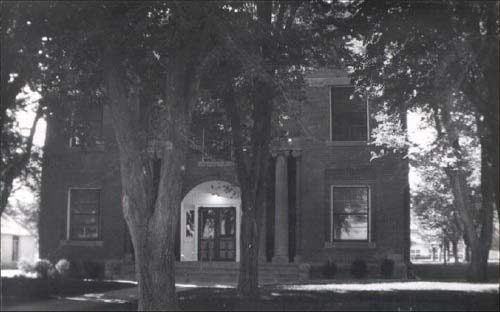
(217,238)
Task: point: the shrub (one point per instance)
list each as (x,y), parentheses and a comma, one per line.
(52,272)
(358,269)
(42,268)
(26,266)
(76,269)
(93,270)
(62,266)
(387,268)
(329,269)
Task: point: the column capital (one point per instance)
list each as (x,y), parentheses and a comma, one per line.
(296,153)
(280,152)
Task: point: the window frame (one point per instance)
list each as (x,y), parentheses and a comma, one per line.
(69,215)
(367,109)
(368,214)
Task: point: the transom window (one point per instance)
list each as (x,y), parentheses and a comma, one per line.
(350,213)
(348,115)
(84,211)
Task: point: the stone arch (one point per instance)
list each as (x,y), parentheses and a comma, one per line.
(194,182)
(209,194)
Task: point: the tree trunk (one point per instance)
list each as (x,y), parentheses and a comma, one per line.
(467,248)
(448,255)
(248,280)
(151,211)
(445,249)
(251,170)
(479,241)
(155,271)
(477,226)
(478,266)
(454,245)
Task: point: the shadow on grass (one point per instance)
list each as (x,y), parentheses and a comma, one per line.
(271,298)
(22,289)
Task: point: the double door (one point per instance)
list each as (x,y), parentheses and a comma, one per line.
(217,235)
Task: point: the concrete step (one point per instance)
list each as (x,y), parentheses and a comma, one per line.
(223,272)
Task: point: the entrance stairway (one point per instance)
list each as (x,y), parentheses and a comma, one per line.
(227,272)
(204,273)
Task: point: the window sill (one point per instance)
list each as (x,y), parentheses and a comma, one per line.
(346,143)
(347,245)
(83,243)
(215,164)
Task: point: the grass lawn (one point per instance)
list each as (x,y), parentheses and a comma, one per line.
(342,297)
(439,288)
(451,271)
(348,296)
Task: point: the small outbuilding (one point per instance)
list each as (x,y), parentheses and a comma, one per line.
(18,243)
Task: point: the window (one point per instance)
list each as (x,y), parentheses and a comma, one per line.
(348,115)
(350,213)
(86,125)
(15,248)
(211,136)
(84,210)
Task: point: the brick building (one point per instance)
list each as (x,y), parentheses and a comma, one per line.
(326,201)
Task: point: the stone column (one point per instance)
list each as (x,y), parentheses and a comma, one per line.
(298,210)
(281,209)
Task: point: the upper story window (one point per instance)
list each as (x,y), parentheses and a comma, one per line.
(211,136)
(350,213)
(349,118)
(86,125)
(84,214)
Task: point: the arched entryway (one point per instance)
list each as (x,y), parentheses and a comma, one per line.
(210,222)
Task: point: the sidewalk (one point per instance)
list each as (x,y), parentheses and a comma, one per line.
(130,294)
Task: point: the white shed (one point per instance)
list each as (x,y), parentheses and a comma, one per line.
(18,243)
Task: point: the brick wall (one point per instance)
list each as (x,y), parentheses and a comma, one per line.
(323,163)
(65,167)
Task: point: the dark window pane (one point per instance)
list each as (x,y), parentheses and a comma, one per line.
(227,221)
(208,223)
(211,136)
(349,120)
(84,227)
(84,205)
(85,196)
(86,122)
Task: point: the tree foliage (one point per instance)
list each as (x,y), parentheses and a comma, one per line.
(20,59)
(144,61)
(439,56)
